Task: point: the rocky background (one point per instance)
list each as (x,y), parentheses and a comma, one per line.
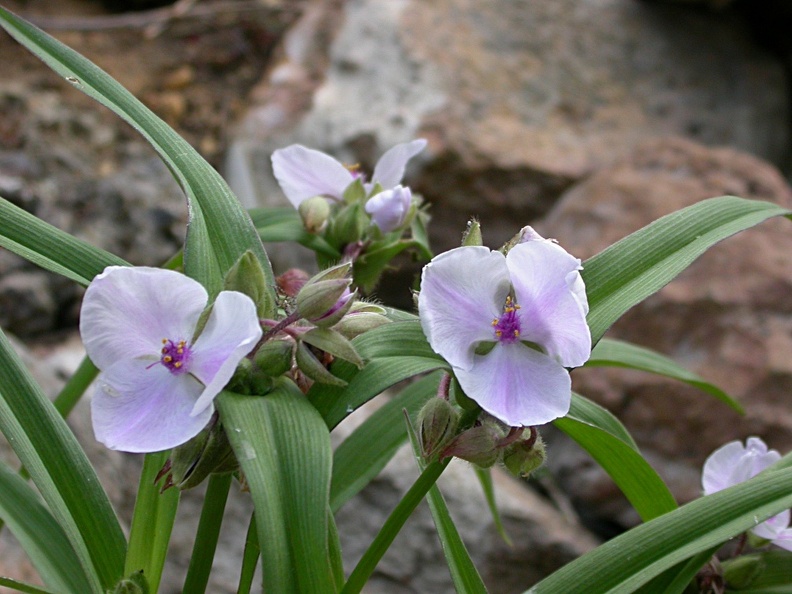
(585,118)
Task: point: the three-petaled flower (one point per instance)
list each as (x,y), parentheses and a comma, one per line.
(158,379)
(509,325)
(734,463)
(304,173)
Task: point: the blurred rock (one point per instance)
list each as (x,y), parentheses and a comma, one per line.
(518,100)
(727,317)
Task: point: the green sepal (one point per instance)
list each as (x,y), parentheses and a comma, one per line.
(247,276)
(356,192)
(135,583)
(472,234)
(313,368)
(206,453)
(333,342)
(274,357)
(742,572)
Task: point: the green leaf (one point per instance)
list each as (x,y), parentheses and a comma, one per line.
(49,247)
(284,449)
(484,476)
(205,543)
(464,574)
(775,575)
(152,523)
(366,451)
(284,224)
(40,535)
(616,353)
(630,560)
(676,579)
(642,263)
(336,403)
(22,586)
(603,437)
(250,558)
(220,230)
(49,451)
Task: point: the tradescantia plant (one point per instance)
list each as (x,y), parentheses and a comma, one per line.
(222,370)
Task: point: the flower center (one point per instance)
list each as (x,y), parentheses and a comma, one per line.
(175,355)
(507,327)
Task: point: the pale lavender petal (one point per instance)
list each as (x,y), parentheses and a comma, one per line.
(139,407)
(518,385)
(231,332)
(784,539)
(304,173)
(719,467)
(462,291)
(774,527)
(548,289)
(389,170)
(759,456)
(389,209)
(127,311)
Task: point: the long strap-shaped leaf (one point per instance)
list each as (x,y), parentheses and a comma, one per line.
(49,247)
(642,263)
(283,446)
(624,564)
(60,470)
(220,230)
(40,535)
(617,353)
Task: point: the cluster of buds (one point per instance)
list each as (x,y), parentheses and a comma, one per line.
(519,449)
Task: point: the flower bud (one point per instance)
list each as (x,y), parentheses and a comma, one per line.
(291,281)
(136,583)
(437,424)
(274,357)
(478,445)
(354,324)
(524,456)
(314,213)
(320,301)
(389,210)
(741,572)
(247,276)
(240,381)
(207,453)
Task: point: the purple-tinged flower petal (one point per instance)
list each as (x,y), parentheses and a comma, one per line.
(773,527)
(733,463)
(518,385)
(389,209)
(547,286)
(127,311)
(231,332)
(139,407)
(304,173)
(462,291)
(783,539)
(389,170)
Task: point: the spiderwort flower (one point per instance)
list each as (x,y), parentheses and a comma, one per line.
(734,463)
(304,173)
(158,380)
(509,325)
(389,209)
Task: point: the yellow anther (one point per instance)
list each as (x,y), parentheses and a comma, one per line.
(164,341)
(498,333)
(177,364)
(516,333)
(167,358)
(495,322)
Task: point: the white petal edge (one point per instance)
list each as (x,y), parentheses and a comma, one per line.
(231,332)
(127,311)
(142,408)
(389,170)
(549,289)
(303,173)
(462,291)
(518,385)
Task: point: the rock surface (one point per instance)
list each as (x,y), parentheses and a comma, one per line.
(727,317)
(518,100)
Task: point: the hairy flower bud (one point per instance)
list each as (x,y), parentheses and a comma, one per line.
(326,297)
(135,583)
(478,445)
(274,357)
(207,453)
(437,424)
(472,234)
(526,455)
(354,324)
(313,368)
(314,213)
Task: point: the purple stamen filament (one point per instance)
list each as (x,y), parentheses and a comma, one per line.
(507,327)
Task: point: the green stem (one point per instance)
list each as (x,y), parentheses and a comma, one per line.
(208,532)
(392,526)
(152,523)
(249,558)
(74,389)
